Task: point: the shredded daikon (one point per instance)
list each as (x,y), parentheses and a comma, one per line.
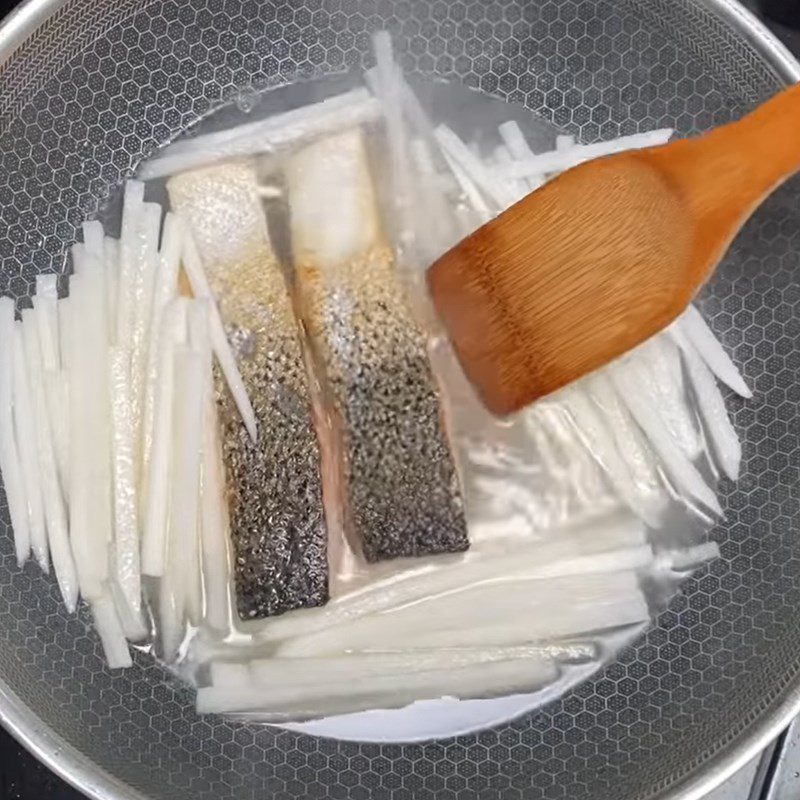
(91,517)
(164,291)
(131,212)
(173,332)
(183,531)
(332,696)
(274,133)
(560,160)
(700,335)
(25,429)
(127,569)
(54,509)
(500,194)
(108,626)
(222,350)
(9,453)
(214,520)
(724,442)
(630,381)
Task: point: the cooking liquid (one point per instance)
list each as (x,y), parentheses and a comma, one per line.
(518,489)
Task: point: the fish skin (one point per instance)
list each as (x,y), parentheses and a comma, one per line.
(403,491)
(274,486)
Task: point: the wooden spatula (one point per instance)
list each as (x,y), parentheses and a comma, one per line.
(605,255)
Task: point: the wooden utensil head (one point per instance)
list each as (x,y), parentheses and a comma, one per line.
(606,255)
(567,279)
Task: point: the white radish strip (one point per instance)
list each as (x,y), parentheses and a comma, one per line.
(25,427)
(724,441)
(280,132)
(54,510)
(56,389)
(412,108)
(711,350)
(451,144)
(59,398)
(93,237)
(469,189)
(269,192)
(200,344)
(301,672)
(133,624)
(80,452)
(545,448)
(108,626)
(582,619)
(111,260)
(96,345)
(215,524)
(630,441)
(691,557)
(304,118)
(600,442)
(518,147)
(213,510)
(64,331)
(477,680)
(173,331)
(193,265)
(659,359)
(227,673)
(13,479)
(45,309)
(165,290)
(79,258)
(579,468)
(564,142)
(148,263)
(510,612)
(440,583)
(435,225)
(211,650)
(523,586)
(184,511)
(127,571)
(91,517)
(391,99)
(45,304)
(171,627)
(567,554)
(418,630)
(619,530)
(200,338)
(631,385)
(128,250)
(502,157)
(418,118)
(558,161)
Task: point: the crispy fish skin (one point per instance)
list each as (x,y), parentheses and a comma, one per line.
(403,492)
(274,486)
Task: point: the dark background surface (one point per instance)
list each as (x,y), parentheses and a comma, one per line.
(24,778)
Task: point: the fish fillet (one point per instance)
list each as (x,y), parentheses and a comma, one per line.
(274,486)
(402,490)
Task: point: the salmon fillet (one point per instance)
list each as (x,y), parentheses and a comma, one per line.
(402,489)
(274,485)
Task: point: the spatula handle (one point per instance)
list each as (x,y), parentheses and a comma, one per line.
(732,168)
(768,138)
